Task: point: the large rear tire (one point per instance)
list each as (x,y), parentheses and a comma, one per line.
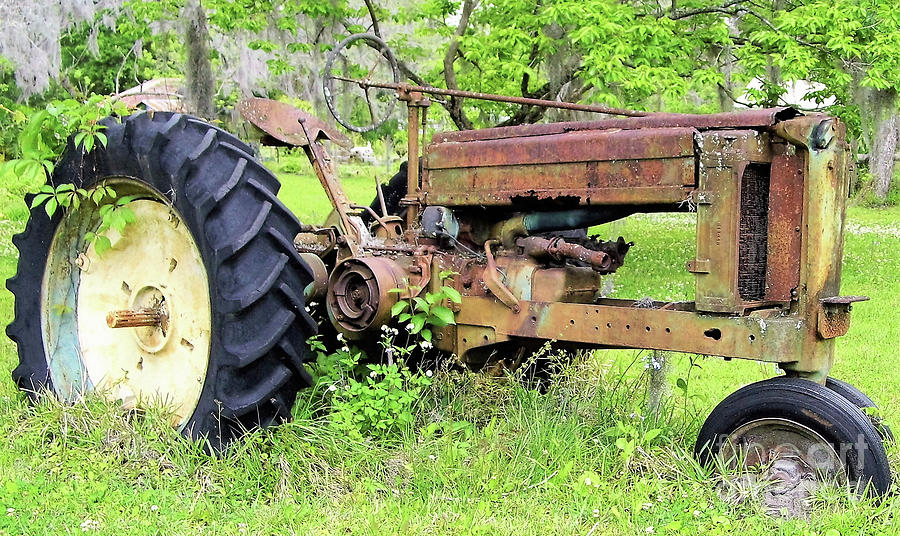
(211,247)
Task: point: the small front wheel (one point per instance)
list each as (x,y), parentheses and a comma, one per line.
(863,402)
(797,434)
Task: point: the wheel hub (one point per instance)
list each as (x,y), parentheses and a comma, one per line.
(791,459)
(148,317)
(359,297)
(135,321)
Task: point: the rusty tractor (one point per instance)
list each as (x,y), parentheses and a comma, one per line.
(201,302)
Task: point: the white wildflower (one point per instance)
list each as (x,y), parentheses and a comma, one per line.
(340,337)
(89,524)
(410,327)
(429,373)
(373,374)
(649,530)
(588,481)
(154,508)
(385,328)
(426,345)
(332,388)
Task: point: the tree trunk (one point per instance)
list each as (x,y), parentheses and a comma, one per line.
(880,129)
(200,88)
(881,165)
(658,388)
(724,56)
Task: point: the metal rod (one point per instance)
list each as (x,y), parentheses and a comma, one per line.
(380,192)
(134,318)
(412,173)
(596,108)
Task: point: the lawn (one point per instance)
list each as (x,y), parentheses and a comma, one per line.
(503,460)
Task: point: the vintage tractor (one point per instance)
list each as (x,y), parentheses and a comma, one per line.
(201,302)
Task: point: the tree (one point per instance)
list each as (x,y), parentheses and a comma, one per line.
(851,48)
(198,72)
(30,34)
(633,54)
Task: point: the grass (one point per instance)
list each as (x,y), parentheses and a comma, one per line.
(511,462)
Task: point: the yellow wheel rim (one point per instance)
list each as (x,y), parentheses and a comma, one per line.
(153,265)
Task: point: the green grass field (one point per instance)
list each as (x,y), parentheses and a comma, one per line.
(509,461)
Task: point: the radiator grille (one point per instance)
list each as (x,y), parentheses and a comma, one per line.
(754,232)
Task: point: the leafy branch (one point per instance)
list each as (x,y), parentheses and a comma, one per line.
(423,313)
(41,141)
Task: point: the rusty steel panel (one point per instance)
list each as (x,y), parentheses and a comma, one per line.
(595,183)
(718,206)
(620,167)
(833,322)
(586,146)
(785,213)
(281,122)
(762,118)
(770,339)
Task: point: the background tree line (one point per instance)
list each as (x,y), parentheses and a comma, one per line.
(657,55)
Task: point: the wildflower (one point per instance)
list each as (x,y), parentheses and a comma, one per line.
(426,345)
(332,388)
(340,337)
(410,327)
(385,328)
(373,374)
(89,524)
(588,481)
(313,304)
(429,373)
(596,512)
(154,508)
(649,530)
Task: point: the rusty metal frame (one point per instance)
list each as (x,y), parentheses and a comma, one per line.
(793,323)
(768,187)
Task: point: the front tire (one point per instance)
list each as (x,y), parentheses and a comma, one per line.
(862,401)
(799,429)
(211,247)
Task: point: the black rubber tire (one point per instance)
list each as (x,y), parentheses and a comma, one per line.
(244,235)
(807,403)
(862,401)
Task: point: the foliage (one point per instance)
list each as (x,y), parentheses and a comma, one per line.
(424,313)
(375,400)
(107,60)
(43,137)
(631,436)
(378,396)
